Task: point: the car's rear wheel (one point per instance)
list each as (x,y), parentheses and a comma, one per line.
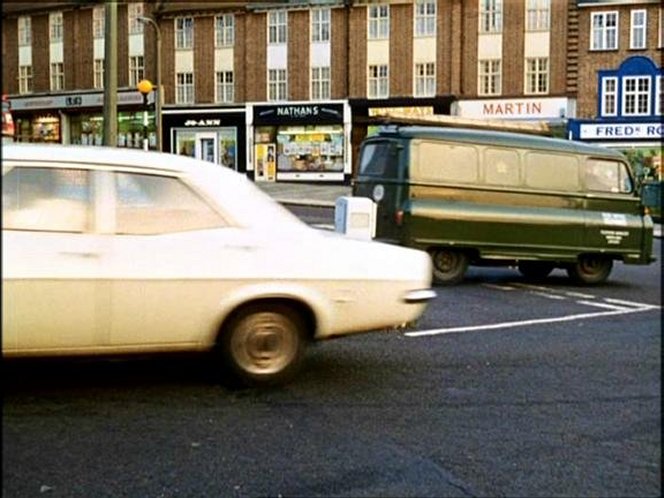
(590,269)
(535,270)
(263,345)
(449,266)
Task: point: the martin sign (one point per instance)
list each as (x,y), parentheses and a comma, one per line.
(535,108)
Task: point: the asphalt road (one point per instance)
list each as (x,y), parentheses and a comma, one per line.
(503,389)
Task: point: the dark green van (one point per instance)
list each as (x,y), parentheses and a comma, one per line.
(483,197)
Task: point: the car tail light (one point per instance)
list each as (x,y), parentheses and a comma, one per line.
(398,217)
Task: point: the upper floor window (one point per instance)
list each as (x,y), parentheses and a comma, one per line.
(425,18)
(537,75)
(489,77)
(224,30)
(277,23)
(136,70)
(25,79)
(609,97)
(98,22)
(379,22)
(224,87)
(538,14)
(98,73)
(320,83)
(184,32)
(425,79)
(604,31)
(320,25)
(637,32)
(379,83)
(134,11)
(636,99)
(24,31)
(659,92)
(55,26)
(184,88)
(277,88)
(57,76)
(491,16)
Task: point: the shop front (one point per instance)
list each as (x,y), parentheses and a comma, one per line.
(78,119)
(630,110)
(299,142)
(216,135)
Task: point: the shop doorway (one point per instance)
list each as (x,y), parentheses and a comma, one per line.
(206,147)
(217,146)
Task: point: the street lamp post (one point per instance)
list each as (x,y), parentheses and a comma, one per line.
(145,87)
(158,83)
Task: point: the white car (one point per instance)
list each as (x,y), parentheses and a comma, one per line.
(116,251)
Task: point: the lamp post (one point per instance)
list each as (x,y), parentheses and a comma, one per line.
(145,87)
(158,83)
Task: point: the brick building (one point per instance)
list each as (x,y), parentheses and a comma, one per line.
(285,90)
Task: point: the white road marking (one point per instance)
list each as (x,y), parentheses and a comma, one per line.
(630,303)
(604,305)
(523,323)
(548,296)
(499,287)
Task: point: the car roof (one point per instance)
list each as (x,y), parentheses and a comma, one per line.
(109,156)
(491,137)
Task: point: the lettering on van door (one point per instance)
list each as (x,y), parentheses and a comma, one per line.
(615,219)
(614,237)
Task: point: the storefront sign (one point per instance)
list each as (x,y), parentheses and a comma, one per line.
(64,102)
(298,113)
(621,131)
(202,122)
(409,111)
(542,108)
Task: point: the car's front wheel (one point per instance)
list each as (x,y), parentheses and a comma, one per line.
(263,345)
(590,269)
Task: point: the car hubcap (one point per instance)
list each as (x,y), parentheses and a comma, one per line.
(264,346)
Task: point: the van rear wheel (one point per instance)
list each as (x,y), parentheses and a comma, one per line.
(535,270)
(590,269)
(449,266)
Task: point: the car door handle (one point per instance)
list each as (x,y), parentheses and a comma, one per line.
(80,254)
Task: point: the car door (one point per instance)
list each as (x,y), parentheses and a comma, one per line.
(50,259)
(167,263)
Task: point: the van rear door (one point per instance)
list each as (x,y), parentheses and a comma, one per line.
(380,179)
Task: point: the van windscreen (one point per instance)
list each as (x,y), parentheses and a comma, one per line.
(376,159)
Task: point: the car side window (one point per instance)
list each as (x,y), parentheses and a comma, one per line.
(607,176)
(152,204)
(46,199)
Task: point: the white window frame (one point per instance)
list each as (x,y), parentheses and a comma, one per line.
(98,77)
(277,27)
(378,19)
(609,97)
(277,85)
(55,27)
(491,16)
(425,79)
(638,33)
(378,81)
(536,76)
(638,94)
(489,77)
(659,95)
(24,31)
(660,41)
(604,31)
(224,87)
(425,18)
(320,83)
(321,25)
(184,88)
(25,79)
(57,70)
(98,22)
(224,30)
(134,11)
(538,15)
(184,33)
(136,70)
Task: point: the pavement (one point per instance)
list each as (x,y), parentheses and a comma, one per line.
(325,195)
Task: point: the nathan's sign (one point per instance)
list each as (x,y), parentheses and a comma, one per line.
(298,113)
(544,108)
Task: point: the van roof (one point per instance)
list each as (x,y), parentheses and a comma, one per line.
(491,137)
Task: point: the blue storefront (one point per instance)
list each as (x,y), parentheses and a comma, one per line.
(630,111)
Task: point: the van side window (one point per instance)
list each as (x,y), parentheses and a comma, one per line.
(501,167)
(446,162)
(552,171)
(607,176)
(378,159)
